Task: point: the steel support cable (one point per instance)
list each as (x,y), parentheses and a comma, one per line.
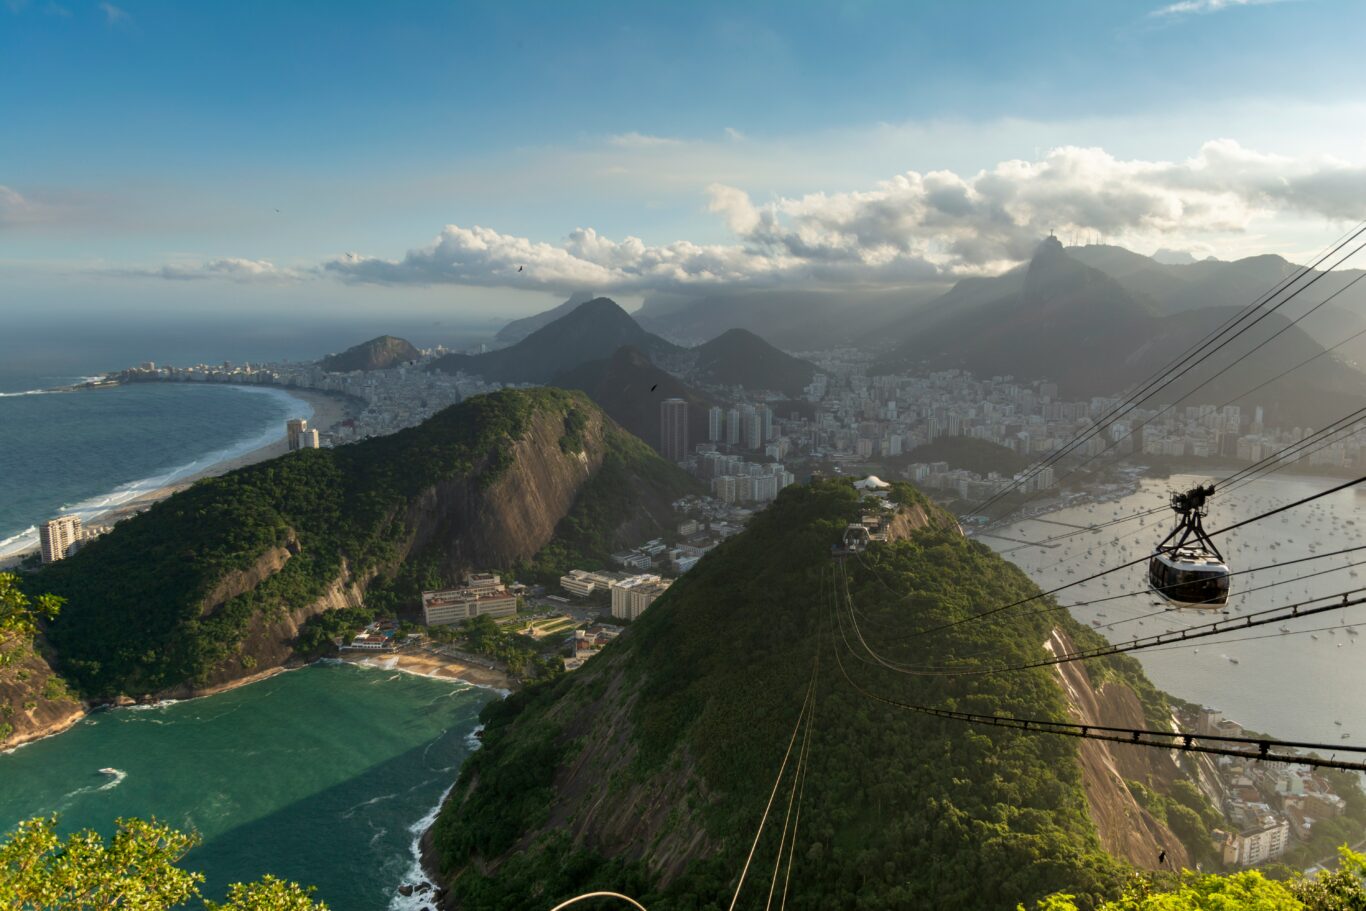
(798,775)
(1169,610)
(1259,636)
(1165,408)
(1263,467)
(801,794)
(1167,740)
(1218,627)
(810,695)
(1130,402)
(1043,594)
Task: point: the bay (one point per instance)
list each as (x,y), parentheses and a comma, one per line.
(1292,685)
(322,776)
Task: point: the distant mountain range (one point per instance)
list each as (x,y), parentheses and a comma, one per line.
(738,357)
(1097,331)
(793,320)
(377,354)
(590,331)
(593,332)
(519,329)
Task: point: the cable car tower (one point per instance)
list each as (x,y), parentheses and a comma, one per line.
(1186,569)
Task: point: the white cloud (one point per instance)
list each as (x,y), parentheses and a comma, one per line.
(226,269)
(640,141)
(1187,7)
(911,227)
(113,15)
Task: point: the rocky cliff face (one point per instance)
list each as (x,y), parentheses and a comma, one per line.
(34,702)
(1126,829)
(472,524)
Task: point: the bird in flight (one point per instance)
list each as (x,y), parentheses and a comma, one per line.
(520,268)
(654,387)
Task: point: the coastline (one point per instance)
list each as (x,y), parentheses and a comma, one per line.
(426,664)
(327,409)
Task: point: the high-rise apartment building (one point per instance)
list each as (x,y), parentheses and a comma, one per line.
(300,437)
(733,426)
(673,429)
(716,424)
(57,535)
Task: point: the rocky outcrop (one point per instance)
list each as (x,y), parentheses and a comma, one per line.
(34,702)
(1125,828)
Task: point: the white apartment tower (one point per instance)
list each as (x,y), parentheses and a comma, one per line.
(57,535)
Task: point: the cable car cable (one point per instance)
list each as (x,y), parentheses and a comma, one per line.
(1167,740)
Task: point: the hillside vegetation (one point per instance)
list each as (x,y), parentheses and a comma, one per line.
(216,582)
(649,769)
(377,354)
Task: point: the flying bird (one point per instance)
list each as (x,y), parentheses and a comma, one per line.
(654,387)
(1162,857)
(519,268)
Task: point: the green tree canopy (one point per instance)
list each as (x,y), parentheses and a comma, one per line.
(135,870)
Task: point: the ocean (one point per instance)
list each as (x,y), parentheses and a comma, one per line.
(1303,683)
(324,776)
(84,452)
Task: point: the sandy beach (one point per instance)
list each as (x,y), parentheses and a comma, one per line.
(430,664)
(328,409)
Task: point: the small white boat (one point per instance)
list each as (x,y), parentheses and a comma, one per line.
(109,771)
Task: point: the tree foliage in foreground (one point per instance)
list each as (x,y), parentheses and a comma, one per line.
(1343,889)
(19,616)
(136,870)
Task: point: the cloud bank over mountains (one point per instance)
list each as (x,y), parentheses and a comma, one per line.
(913,227)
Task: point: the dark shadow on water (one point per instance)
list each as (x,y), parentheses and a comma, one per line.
(351,840)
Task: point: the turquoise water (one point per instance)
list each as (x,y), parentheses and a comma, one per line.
(318,775)
(88,451)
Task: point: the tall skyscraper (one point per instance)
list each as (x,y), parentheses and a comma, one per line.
(765,415)
(57,535)
(733,426)
(716,424)
(673,429)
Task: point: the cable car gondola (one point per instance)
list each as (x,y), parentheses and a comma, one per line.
(1186,569)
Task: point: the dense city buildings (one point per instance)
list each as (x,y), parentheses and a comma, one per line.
(389,400)
(59,537)
(673,429)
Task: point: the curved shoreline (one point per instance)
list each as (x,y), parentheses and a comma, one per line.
(324,408)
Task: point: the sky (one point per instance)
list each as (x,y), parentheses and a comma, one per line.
(472,162)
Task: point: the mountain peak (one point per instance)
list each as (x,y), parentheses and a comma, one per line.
(377,354)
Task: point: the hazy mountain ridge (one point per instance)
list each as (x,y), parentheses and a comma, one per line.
(377,354)
(590,331)
(519,329)
(738,357)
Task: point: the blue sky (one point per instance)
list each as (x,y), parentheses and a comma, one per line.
(146,146)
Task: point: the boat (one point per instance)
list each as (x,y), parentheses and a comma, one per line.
(1352,631)
(1338,723)
(1284,629)
(109,771)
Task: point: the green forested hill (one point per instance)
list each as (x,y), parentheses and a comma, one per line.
(220,575)
(648,770)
